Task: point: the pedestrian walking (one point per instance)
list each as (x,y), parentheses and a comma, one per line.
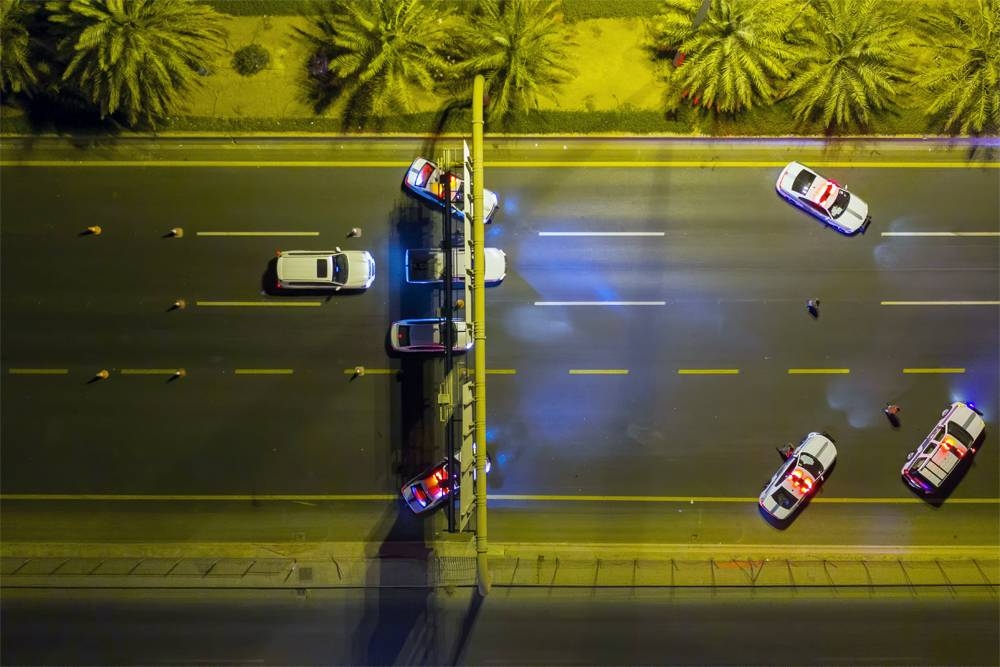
(812,305)
(892,411)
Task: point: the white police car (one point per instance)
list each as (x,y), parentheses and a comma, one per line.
(953,439)
(426,181)
(824,199)
(800,476)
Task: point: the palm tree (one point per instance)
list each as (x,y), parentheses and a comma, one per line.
(133,58)
(17,73)
(734,58)
(519,46)
(965,75)
(378,52)
(852,65)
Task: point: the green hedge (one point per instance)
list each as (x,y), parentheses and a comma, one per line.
(578,10)
(573,10)
(770,121)
(262,7)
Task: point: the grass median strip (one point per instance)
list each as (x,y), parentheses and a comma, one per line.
(708,371)
(915,371)
(38,371)
(253,304)
(819,371)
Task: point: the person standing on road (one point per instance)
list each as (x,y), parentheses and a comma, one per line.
(891,411)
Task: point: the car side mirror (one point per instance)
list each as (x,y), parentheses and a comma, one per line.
(337,288)
(337,249)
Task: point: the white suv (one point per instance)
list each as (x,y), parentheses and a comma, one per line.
(325,269)
(953,438)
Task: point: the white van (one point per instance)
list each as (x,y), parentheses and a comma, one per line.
(955,437)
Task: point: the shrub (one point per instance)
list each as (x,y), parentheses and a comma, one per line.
(251,59)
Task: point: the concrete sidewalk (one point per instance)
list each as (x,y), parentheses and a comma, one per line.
(452,563)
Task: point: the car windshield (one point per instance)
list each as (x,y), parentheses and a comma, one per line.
(784,498)
(811,465)
(960,434)
(840,204)
(340,268)
(803,181)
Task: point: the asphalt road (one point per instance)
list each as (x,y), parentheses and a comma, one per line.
(722,286)
(512,626)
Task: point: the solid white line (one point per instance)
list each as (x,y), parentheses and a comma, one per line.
(940,303)
(601,233)
(940,233)
(600,303)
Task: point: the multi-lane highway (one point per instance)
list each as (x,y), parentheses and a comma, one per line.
(650,340)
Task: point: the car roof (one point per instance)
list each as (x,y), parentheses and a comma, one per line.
(307,267)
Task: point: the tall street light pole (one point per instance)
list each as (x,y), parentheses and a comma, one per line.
(479,331)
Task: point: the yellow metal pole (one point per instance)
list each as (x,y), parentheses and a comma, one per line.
(479,329)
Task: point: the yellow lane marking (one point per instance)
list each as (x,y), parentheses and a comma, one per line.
(193,497)
(499,496)
(264,371)
(148,371)
(201,163)
(373,371)
(681,164)
(940,233)
(708,371)
(272,304)
(502,164)
(819,371)
(940,303)
(725,499)
(501,371)
(933,370)
(38,371)
(256,233)
(598,371)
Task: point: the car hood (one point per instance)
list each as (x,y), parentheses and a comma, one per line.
(855,215)
(496,265)
(360,269)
